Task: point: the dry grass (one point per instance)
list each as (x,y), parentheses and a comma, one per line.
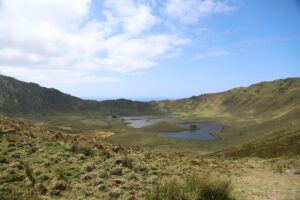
(112,172)
(99,134)
(194,187)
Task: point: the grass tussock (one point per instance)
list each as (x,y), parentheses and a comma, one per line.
(29,173)
(83,148)
(192,188)
(127,162)
(19,195)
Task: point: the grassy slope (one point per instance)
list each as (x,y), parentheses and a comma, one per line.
(282,142)
(257,103)
(253,111)
(37,163)
(245,112)
(18,97)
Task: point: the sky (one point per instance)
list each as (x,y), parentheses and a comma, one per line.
(149,49)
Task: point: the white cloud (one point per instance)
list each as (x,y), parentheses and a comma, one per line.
(133,53)
(134,18)
(209,54)
(191,11)
(55,41)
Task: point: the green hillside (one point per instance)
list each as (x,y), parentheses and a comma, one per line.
(269,100)
(18,97)
(246,113)
(282,142)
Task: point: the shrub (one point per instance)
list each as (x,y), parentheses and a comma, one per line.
(29,173)
(170,189)
(132,176)
(59,185)
(44,177)
(115,193)
(81,157)
(86,177)
(105,153)
(213,188)
(103,174)
(60,173)
(3,160)
(16,155)
(11,176)
(81,147)
(88,167)
(41,188)
(18,195)
(192,188)
(16,165)
(117,171)
(127,162)
(37,172)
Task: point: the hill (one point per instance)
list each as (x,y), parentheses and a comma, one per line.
(18,97)
(21,97)
(259,101)
(269,100)
(284,142)
(246,113)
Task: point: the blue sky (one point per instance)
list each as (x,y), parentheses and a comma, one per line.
(149,49)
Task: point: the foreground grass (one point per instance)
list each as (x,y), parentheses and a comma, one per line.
(37,163)
(192,188)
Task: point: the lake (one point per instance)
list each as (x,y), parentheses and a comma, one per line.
(200,131)
(139,122)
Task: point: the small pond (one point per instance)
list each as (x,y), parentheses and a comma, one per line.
(200,130)
(139,122)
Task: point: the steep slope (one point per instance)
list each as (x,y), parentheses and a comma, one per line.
(260,101)
(282,142)
(18,97)
(124,107)
(267,100)
(21,97)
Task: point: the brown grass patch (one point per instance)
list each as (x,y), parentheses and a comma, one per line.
(99,134)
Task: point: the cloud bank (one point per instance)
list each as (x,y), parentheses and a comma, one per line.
(55,42)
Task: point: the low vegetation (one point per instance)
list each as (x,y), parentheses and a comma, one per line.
(164,127)
(192,188)
(72,150)
(282,142)
(38,163)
